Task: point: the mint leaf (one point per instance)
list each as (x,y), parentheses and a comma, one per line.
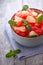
(13,53)
(17,51)
(25,22)
(32,36)
(28,27)
(13,23)
(25,7)
(39,19)
(10,54)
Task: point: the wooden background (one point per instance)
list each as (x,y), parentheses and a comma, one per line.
(7,8)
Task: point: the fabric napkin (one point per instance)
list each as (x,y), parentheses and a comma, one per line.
(26,51)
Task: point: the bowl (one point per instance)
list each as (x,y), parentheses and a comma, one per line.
(28,42)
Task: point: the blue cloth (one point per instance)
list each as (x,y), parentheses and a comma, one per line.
(26,51)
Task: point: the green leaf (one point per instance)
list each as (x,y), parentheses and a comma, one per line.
(13,23)
(39,19)
(17,51)
(25,22)
(25,7)
(10,54)
(13,53)
(32,36)
(28,27)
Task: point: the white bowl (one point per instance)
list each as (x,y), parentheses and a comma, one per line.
(29,42)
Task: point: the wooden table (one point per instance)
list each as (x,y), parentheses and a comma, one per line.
(5,47)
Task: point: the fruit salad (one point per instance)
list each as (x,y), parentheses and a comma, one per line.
(27,22)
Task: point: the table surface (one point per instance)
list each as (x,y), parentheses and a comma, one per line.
(5,46)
